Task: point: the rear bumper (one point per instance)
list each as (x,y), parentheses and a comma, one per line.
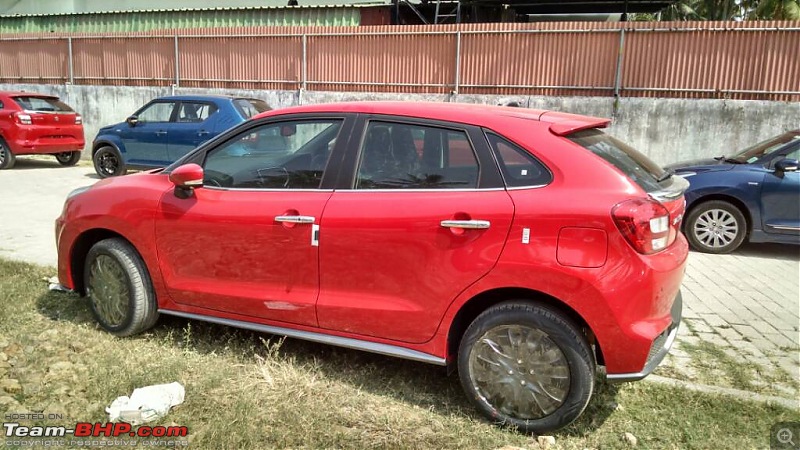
(44,147)
(660,347)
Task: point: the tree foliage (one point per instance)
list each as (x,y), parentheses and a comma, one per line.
(727,10)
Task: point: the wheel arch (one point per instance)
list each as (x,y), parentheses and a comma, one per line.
(479,303)
(735,201)
(106,143)
(80,248)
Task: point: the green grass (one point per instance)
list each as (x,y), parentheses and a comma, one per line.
(246,390)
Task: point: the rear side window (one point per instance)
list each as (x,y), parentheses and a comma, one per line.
(639,168)
(519,167)
(411,156)
(249,107)
(44,104)
(195,112)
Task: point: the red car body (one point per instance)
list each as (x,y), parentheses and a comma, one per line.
(36,124)
(383,275)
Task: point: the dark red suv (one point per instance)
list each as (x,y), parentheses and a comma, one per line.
(38,124)
(520,247)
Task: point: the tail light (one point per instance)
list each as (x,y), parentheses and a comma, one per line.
(78,119)
(645,223)
(23,119)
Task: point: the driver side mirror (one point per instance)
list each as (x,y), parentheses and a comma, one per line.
(786,165)
(186,178)
(132,120)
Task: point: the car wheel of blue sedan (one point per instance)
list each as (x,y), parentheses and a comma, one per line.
(715,226)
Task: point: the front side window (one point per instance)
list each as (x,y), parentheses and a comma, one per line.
(519,167)
(283,155)
(195,112)
(156,112)
(408,156)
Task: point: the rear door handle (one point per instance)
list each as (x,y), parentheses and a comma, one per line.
(161,133)
(202,133)
(295,219)
(467,224)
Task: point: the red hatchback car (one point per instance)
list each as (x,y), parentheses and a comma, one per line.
(38,124)
(520,247)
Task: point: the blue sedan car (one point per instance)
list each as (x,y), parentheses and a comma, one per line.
(167,128)
(753,195)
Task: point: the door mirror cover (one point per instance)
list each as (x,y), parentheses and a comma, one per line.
(187,176)
(786,165)
(132,120)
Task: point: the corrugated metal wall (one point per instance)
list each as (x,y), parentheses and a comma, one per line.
(742,60)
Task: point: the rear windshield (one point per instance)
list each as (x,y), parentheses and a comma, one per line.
(249,107)
(42,104)
(639,168)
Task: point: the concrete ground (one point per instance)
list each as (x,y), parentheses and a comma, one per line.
(741,311)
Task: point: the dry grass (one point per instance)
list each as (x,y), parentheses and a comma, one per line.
(246,390)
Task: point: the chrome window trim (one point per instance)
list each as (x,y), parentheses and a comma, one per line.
(422,190)
(339,341)
(217,188)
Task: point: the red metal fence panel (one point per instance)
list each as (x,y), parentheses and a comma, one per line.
(742,60)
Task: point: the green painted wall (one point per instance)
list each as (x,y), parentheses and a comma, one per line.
(160,20)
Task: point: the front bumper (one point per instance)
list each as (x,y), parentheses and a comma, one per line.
(661,345)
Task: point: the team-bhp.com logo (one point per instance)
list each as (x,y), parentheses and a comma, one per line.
(29,434)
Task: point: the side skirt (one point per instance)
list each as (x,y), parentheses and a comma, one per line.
(373,347)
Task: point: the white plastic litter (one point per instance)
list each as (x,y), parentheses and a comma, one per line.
(146,404)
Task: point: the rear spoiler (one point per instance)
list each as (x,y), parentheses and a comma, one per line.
(563,124)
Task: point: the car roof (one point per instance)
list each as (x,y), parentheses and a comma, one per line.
(480,115)
(200,97)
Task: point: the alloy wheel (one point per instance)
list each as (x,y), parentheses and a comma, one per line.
(520,371)
(108,290)
(716,228)
(108,163)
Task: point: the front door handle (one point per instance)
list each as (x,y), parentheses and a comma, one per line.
(161,133)
(295,219)
(202,133)
(467,224)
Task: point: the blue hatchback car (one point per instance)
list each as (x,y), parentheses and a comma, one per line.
(753,195)
(167,128)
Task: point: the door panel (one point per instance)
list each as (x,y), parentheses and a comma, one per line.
(780,203)
(415,231)
(243,242)
(146,142)
(194,125)
(390,269)
(224,250)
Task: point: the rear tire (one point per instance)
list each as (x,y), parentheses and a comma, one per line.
(7,159)
(119,288)
(715,226)
(68,158)
(108,162)
(526,366)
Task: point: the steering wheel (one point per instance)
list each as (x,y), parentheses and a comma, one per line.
(268,175)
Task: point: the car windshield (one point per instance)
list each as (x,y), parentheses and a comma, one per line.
(42,104)
(249,107)
(755,152)
(638,167)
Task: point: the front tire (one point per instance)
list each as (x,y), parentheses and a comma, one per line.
(68,158)
(7,159)
(119,288)
(108,162)
(526,366)
(715,226)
